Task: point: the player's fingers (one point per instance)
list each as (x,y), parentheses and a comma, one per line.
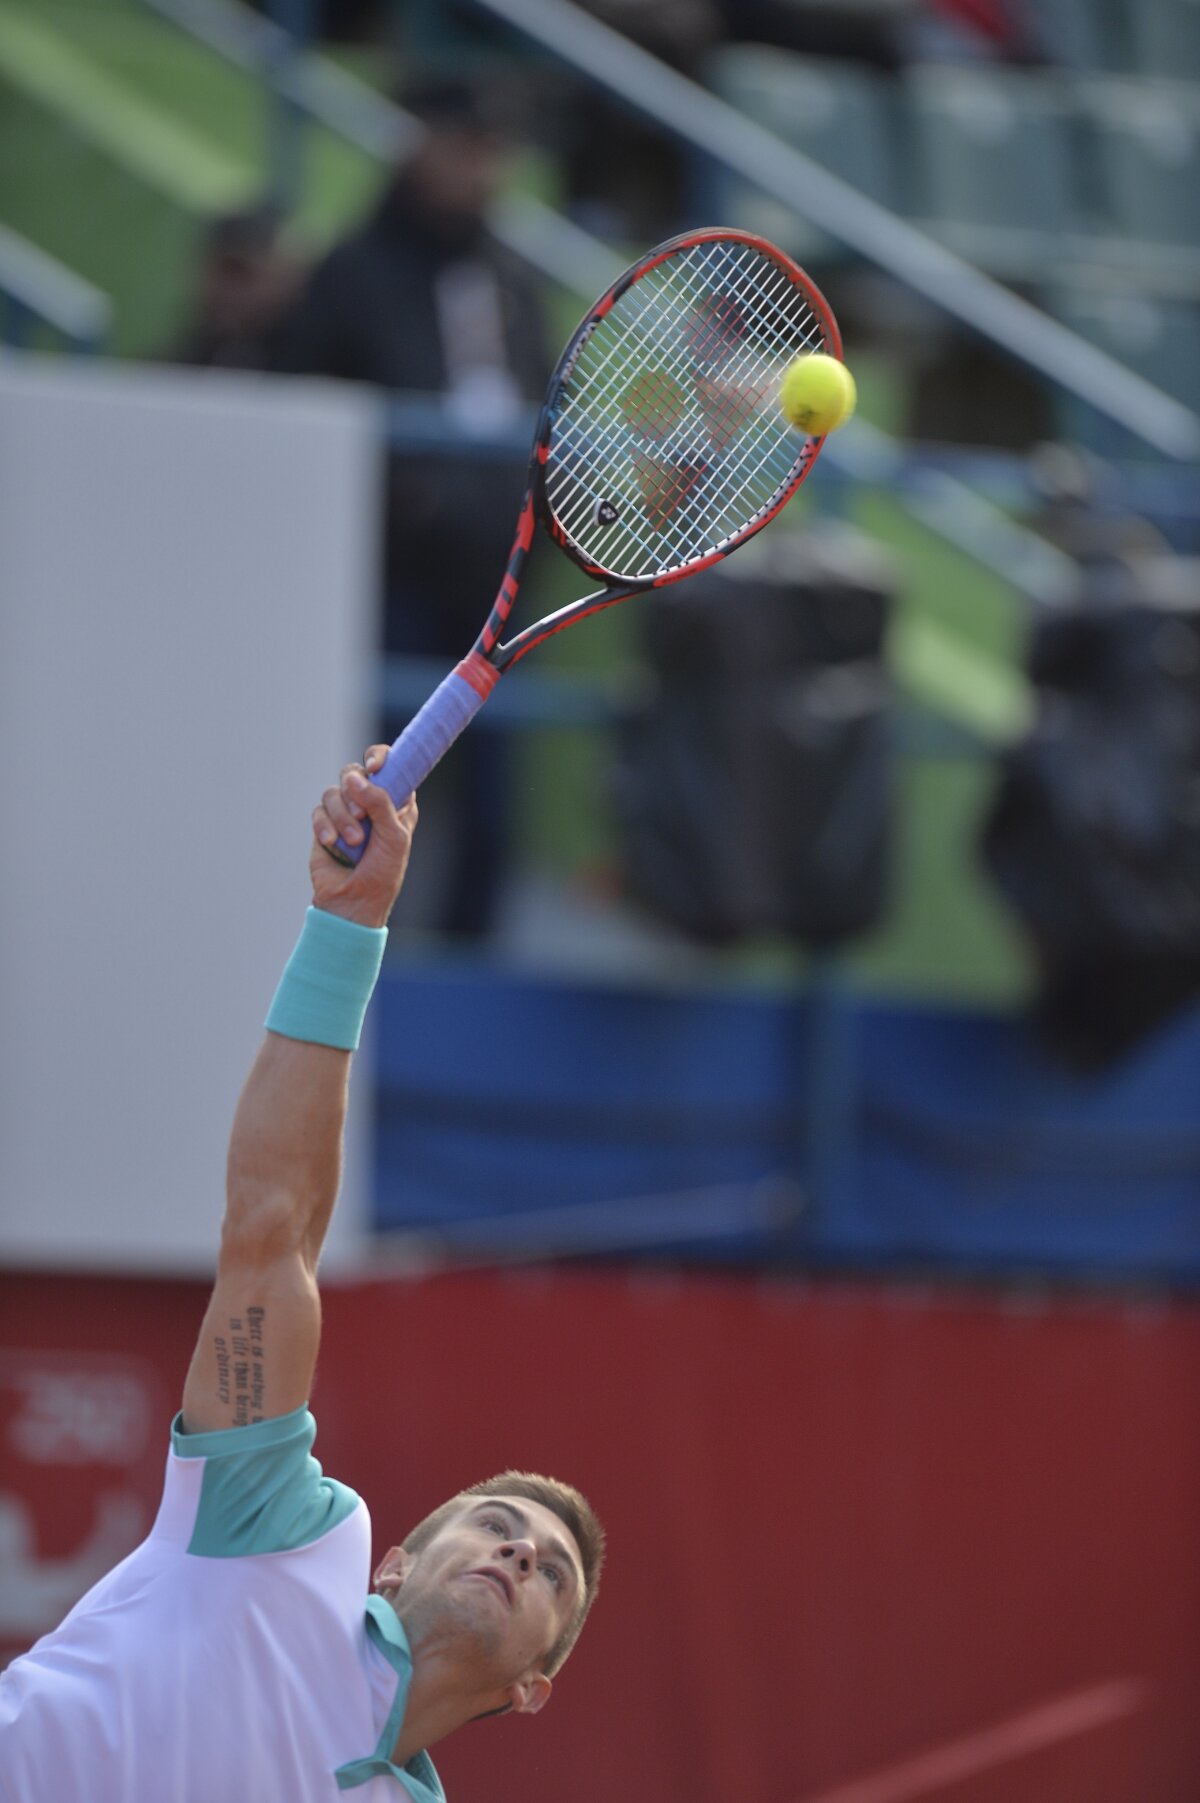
(366,797)
(373,760)
(324,831)
(405,821)
(348,794)
(342,812)
(355,788)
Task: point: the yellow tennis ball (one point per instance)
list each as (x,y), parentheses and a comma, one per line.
(817,394)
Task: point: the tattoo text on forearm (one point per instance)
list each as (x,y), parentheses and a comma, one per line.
(240,1366)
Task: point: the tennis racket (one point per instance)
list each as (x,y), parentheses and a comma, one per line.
(660,449)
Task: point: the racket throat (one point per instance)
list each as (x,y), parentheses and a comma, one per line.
(515,648)
(510,587)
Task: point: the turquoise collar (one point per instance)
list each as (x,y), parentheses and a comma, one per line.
(419,1778)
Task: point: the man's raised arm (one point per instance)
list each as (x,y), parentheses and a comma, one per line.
(257,1348)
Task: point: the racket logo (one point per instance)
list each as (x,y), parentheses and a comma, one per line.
(605,513)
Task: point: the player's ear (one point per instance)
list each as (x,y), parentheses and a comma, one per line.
(393,1568)
(531,1693)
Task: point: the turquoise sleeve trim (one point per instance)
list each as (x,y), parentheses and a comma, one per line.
(262,1491)
(328,980)
(217,1441)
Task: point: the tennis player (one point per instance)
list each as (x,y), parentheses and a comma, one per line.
(237,1653)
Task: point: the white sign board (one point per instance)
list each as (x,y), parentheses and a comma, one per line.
(187,598)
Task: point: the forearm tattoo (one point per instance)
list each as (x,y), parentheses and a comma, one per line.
(241,1359)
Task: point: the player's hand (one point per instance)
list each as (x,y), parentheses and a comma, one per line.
(366,894)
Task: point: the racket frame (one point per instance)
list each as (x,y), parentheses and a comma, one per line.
(536,508)
(451,707)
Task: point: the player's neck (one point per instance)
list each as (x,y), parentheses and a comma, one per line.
(441,1699)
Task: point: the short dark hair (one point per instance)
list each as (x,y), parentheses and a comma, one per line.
(465,103)
(572,1509)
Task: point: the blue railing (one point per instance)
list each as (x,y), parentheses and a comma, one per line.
(860,455)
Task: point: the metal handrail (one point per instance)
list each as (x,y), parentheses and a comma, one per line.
(567,254)
(382,130)
(720,132)
(48,290)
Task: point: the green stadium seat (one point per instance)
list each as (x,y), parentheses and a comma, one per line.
(840,114)
(991,156)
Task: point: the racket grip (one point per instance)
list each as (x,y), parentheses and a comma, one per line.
(426,739)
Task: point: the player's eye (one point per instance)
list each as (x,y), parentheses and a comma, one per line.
(494,1521)
(554,1575)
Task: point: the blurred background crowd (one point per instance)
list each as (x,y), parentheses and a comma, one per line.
(1051,147)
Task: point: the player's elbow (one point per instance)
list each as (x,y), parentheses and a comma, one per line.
(262,1225)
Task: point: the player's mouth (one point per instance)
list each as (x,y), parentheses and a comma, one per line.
(502,1581)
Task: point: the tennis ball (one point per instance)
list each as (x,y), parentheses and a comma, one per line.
(817,394)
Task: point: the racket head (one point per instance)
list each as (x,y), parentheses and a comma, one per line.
(661,446)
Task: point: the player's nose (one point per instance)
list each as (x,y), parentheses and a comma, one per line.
(523,1556)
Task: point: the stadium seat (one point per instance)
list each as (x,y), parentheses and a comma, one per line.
(990,152)
(839,114)
(1165,38)
(1091,36)
(1144,139)
(1159,339)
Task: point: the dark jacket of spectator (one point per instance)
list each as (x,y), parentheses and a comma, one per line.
(425,299)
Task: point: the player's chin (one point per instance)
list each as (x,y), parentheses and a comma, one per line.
(472,1611)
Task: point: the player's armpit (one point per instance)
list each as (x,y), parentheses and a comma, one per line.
(257,1348)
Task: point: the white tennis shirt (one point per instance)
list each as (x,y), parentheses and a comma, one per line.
(235,1654)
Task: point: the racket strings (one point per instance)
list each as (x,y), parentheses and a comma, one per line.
(654,404)
(654,329)
(723,409)
(723,414)
(707,387)
(669,439)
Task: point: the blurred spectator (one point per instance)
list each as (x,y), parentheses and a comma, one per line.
(625,178)
(1093,834)
(979,30)
(1094,831)
(349,20)
(1106,541)
(890,33)
(769,708)
(966,391)
(246,280)
(678,31)
(423,298)
(868,31)
(339,21)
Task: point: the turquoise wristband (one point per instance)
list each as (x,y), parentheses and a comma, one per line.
(328,981)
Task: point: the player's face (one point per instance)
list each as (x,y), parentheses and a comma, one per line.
(502,1577)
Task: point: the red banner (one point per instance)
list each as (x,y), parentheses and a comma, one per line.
(868,1544)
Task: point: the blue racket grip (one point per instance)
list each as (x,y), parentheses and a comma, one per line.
(426,739)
